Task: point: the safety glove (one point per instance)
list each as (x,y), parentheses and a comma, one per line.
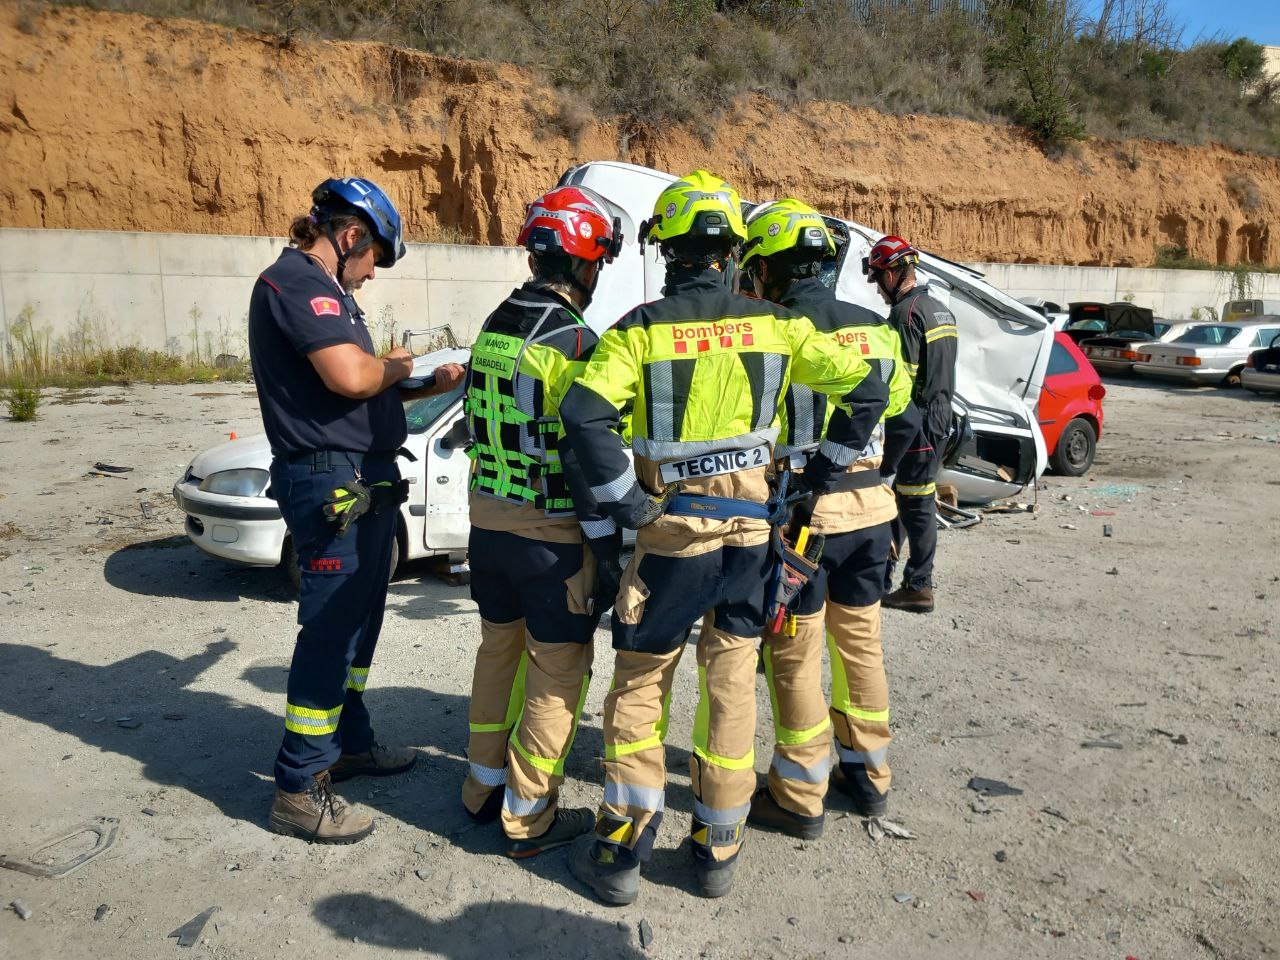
(651,507)
(607,552)
(347,504)
(817,473)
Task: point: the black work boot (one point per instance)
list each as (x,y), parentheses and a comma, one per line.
(769,813)
(917,600)
(851,779)
(715,877)
(611,870)
(490,809)
(566,827)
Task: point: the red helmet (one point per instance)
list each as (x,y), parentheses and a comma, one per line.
(574,221)
(886,254)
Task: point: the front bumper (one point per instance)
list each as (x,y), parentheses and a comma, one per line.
(1160,371)
(246,530)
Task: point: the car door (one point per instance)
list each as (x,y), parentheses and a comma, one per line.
(446,478)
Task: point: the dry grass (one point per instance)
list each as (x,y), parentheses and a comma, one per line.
(658,61)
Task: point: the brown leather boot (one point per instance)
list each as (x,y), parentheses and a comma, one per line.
(318,815)
(377,761)
(913,601)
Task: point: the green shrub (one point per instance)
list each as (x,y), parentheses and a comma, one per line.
(23,401)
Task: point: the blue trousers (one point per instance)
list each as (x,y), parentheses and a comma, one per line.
(340,607)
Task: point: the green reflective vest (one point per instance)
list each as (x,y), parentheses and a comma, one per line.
(514,388)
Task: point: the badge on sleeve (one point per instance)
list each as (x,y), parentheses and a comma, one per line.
(325,307)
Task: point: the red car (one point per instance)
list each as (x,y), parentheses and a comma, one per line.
(1070,410)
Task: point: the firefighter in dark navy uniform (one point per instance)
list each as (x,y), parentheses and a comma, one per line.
(929,341)
(335,421)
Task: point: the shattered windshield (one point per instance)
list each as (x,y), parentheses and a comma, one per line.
(420,414)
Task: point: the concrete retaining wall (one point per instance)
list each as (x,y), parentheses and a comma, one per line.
(170,291)
(167,291)
(1172,294)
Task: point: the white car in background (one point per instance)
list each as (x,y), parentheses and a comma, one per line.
(225,490)
(1210,353)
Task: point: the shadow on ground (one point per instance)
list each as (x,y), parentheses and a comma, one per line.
(478,932)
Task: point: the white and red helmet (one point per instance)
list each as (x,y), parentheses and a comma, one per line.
(888,253)
(574,221)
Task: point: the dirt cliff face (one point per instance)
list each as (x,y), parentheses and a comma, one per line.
(116,121)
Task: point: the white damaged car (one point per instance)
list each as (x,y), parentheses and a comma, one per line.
(230,514)
(1003,351)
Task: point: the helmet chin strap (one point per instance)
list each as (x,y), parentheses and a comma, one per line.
(338,252)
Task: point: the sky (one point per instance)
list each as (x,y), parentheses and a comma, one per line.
(1259,20)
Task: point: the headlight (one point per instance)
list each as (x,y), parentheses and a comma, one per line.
(236,483)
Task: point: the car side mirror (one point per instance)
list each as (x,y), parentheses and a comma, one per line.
(459,436)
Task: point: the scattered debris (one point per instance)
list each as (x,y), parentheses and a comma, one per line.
(903,897)
(1113,572)
(844,938)
(1104,744)
(21,909)
(1001,856)
(420,847)
(175,716)
(106,828)
(1252,632)
(794,921)
(147,512)
(878,828)
(190,931)
(151,811)
(1136,703)
(646,934)
(1102,513)
(1205,656)
(1106,529)
(1068,526)
(993,788)
(101,912)
(1179,738)
(1055,813)
(111,468)
(977,896)
(422,874)
(1011,508)
(1014,542)
(129,723)
(980,805)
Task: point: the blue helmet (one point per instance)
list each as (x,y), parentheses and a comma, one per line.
(365,199)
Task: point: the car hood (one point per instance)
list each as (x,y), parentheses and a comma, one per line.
(243,453)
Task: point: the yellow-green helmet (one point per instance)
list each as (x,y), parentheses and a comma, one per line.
(787,225)
(699,206)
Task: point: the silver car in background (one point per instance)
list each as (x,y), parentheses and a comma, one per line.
(1211,353)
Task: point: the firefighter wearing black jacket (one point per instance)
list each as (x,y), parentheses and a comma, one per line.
(928,332)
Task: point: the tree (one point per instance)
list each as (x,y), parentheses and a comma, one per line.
(1033,39)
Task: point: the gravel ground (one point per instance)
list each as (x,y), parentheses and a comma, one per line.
(1158,642)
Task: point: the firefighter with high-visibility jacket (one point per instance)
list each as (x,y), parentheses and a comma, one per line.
(929,343)
(702,370)
(544,564)
(787,243)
